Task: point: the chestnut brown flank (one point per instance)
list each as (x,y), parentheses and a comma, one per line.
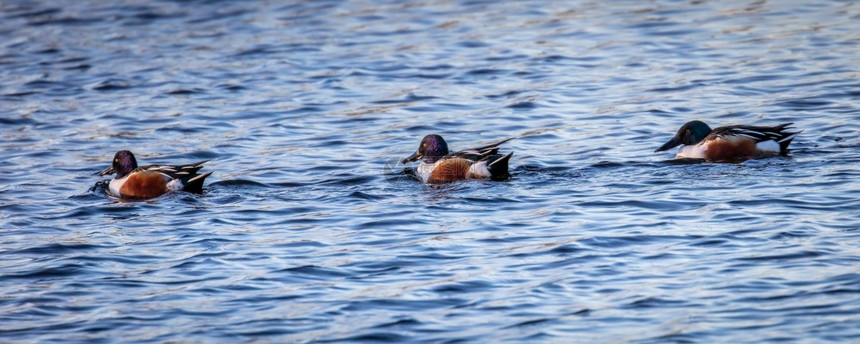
(450,170)
(144,185)
(724,149)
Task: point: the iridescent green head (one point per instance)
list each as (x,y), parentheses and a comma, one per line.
(690,133)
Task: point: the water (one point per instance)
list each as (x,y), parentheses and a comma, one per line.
(306,232)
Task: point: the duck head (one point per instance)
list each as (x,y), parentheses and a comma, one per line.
(690,133)
(432,148)
(123,163)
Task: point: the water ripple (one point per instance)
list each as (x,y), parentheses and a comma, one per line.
(310,231)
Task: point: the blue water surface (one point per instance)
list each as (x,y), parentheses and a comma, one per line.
(309,232)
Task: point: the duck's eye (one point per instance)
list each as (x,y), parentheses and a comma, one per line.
(687,132)
(423,145)
(115,160)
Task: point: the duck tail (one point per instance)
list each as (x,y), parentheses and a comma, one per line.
(785,141)
(195,183)
(499,167)
(786,137)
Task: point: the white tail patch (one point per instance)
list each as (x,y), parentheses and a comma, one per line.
(479,170)
(767,146)
(175,185)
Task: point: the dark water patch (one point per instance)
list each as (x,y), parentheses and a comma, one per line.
(534,168)
(399,323)
(81,67)
(113,85)
(258,50)
(532,322)
(464,287)
(676,88)
(62,21)
(365,196)
(231,87)
(472,44)
(186,91)
(145,16)
(432,76)
(402,305)
(20,94)
(508,94)
(619,241)
(239,183)
(381,337)
(409,98)
(218,16)
(26,12)
(783,257)
(506,57)
(348,180)
(302,244)
(266,332)
(804,104)
(58,248)
(667,205)
(791,235)
(477,72)
(314,272)
(49,273)
(522,105)
(754,79)
(654,302)
(19,120)
(55,88)
(388,224)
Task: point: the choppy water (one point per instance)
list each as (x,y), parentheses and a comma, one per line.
(306,233)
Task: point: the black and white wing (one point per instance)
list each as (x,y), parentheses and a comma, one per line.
(480,153)
(176,171)
(757,133)
(760,134)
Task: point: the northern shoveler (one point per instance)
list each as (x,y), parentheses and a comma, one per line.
(438,166)
(735,142)
(151,181)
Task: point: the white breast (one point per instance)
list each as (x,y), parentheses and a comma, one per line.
(424,170)
(116,184)
(692,151)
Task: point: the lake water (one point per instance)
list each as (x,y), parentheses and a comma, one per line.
(308,231)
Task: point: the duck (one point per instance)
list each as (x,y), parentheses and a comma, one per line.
(439,166)
(729,143)
(144,182)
